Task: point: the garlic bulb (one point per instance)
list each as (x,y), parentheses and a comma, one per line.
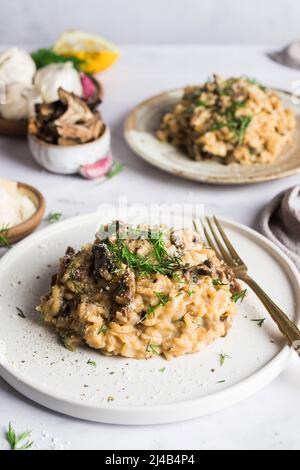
(16,65)
(51,77)
(19,101)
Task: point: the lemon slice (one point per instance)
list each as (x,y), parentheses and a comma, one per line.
(97,53)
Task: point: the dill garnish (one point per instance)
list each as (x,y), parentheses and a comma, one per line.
(20,312)
(259,322)
(116,168)
(237,124)
(151,348)
(253,81)
(239,296)
(15,441)
(217,282)
(54,217)
(223,357)
(44,56)
(190,292)
(103,330)
(163,300)
(202,103)
(91,363)
(159,262)
(3,236)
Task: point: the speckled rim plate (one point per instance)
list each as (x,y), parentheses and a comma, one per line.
(143,121)
(136,392)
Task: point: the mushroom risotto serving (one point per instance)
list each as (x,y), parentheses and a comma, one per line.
(234,120)
(139,292)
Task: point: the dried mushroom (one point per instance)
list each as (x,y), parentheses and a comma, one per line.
(68,121)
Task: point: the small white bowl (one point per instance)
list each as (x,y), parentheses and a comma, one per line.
(67,160)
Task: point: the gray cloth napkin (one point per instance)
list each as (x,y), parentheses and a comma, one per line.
(289,56)
(280,222)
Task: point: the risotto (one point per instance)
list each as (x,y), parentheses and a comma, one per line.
(234,120)
(140,292)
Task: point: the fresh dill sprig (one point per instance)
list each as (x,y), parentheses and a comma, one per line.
(91,363)
(151,348)
(217,282)
(202,103)
(223,358)
(103,330)
(159,262)
(116,168)
(18,442)
(68,341)
(20,312)
(54,217)
(44,56)
(162,370)
(239,296)
(253,81)
(190,292)
(259,322)
(163,300)
(3,236)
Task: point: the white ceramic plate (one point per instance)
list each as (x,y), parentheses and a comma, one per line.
(144,120)
(123,391)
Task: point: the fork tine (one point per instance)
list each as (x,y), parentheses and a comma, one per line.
(197,230)
(203,234)
(210,242)
(228,244)
(225,254)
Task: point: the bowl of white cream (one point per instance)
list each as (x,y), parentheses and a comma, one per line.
(21,210)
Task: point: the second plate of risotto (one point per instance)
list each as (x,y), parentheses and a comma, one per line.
(142,329)
(224,131)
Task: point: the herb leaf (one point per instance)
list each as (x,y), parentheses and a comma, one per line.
(163,300)
(253,81)
(158,262)
(116,168)
(54,217)
(15,441)
(103,330)
(151,348)
(46,56)
(223,357)
(20,312)
(3,236)
(217,282)
(190,292)
(91,363)
(239,296)
(259,322)
(202,103)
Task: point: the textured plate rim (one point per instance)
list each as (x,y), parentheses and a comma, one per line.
(155,414)
(187,174)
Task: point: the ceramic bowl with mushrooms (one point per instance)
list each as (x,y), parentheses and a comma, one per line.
(68,136)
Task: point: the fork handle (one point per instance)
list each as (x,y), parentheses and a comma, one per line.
(285,325)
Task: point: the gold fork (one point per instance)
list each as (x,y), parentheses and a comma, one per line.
(219,242)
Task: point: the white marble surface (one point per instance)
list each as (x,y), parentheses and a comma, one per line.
(267,420)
